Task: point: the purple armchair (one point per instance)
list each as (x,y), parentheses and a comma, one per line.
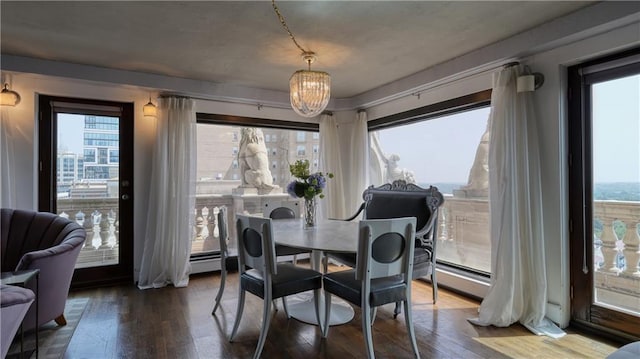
(14,302)
(48,242)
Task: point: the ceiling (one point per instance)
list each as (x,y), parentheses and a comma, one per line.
(363,45)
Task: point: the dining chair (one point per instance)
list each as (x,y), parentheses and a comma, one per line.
(262,276)
(401,199)
(223,230)
(384,265)
(284,210)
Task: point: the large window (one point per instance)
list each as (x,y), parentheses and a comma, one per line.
(219,173)
(604,197)
(443,145)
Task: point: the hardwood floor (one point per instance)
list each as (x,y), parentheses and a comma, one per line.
(125,322)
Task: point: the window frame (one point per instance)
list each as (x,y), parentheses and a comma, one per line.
(464,103)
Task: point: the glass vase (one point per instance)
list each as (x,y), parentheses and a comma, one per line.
(309,214)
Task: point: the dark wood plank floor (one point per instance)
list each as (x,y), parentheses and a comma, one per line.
(125,322)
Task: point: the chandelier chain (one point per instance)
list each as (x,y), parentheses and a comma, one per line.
(284,24)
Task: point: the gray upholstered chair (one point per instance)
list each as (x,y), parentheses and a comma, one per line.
(223,230)
(14,302)
(47,242)
(382,275)
(262,276)
(401,199)
(284,210)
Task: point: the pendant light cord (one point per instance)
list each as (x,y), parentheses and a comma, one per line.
(284,24)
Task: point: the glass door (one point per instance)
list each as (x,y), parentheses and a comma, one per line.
(86,161)
(605,187)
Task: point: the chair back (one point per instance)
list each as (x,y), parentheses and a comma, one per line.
(385,248)
(401,199)
(281,209)
(256,248)
(223,229)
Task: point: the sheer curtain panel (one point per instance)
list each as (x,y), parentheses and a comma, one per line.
(333,205)
(518,289)
(170,221)
(358,171)
(7,165)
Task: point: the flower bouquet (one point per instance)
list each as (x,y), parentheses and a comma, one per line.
(307,185)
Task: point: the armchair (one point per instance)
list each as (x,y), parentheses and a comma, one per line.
(401,199)
(47,242)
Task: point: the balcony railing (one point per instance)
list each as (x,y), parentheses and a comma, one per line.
(463,236)
(617,253)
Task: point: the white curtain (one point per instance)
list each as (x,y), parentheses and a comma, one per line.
(7,165)
(167,246)
(518,289)
(333,205)
(358,177)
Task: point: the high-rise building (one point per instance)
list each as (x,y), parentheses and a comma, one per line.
(101,147)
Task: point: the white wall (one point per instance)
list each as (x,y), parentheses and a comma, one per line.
(550,106)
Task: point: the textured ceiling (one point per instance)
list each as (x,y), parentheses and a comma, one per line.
(363,45)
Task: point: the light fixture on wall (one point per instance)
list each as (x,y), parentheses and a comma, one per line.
(9,97)
(309,91)
(149,110)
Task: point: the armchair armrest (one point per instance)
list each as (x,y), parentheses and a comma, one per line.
(360,209)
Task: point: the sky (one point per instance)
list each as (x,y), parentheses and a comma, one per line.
(70,132)
(616,130)
(441,150)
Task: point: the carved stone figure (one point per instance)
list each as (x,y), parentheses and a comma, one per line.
(253,160)
(478,183)
(396,173)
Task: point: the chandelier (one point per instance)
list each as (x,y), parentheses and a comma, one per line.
(309,91)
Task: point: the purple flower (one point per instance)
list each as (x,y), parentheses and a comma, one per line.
(291,189)
(317,180)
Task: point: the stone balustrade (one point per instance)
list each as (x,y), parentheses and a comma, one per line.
(617,254)
(463,236)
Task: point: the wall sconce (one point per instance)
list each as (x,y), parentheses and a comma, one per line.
(9,97)
(150,110)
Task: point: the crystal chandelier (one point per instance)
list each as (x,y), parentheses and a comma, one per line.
(309,91)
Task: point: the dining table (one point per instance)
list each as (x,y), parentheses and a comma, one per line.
(325,236)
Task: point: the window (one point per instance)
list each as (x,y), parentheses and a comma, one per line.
(315,164)
(301,136)
(604,201)
(300,150)
(316,135)
(102,156)
(235,137)
(218,173)
(315,148)
(114,156)
(89,155)
(430,149)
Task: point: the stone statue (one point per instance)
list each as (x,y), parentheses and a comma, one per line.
(253,160)
(396,173)
(478,183)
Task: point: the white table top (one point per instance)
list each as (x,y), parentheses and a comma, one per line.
(328,235)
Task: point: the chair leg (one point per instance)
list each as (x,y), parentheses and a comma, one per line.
(327,313)
(434,283)
(374,311)
(325,264)
(409,322)
(397,309)
(295,259)
(316,301)
(60,320)
(284,306)
(366,330)
(238,314)
(223,279)
(266,320)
